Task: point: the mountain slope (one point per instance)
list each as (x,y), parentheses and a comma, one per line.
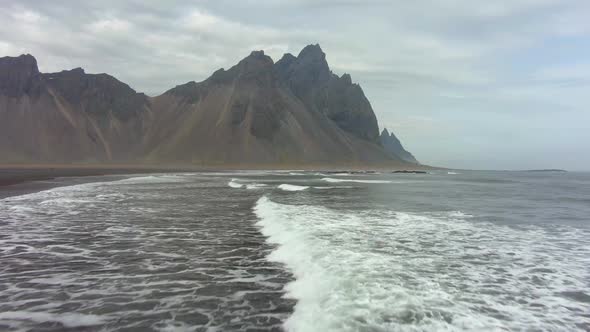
(392,144)
(293,112)
(66,117)
(247,114)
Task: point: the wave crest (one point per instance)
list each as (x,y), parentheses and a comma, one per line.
(292,187)
(393,271)
(333,180)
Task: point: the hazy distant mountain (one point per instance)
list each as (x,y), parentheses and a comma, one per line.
(394,146)
(293,112)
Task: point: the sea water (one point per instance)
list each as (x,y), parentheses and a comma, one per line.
(301,251)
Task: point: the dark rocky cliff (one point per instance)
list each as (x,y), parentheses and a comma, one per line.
(97,93)
(19,76)
(251,114)
(310,79)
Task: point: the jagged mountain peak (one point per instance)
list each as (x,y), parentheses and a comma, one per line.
(346,79)
(21,62)
(257,57)
(313,51)
(310,79)
(255,65)
(75,71)
(258,112)
(256,61)
(285,62)
(314,60)
(392,144)
(287,57)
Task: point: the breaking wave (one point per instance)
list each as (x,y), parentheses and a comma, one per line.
(252,186)
(333,180)
(234,184)
(292,187)
(392,271)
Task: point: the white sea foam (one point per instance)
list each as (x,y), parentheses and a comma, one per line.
(151,260)
(171,325)
(65,201)
(334,180)
(459,214)
(391,271)
(292,187)
(237,184)
(234,184)
(452,173)
(54,192)
(253,186)
(163,178)
(68,320)
(58,192)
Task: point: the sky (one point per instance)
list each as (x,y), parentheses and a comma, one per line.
(501,84)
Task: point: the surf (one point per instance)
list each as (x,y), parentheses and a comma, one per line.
(389,270)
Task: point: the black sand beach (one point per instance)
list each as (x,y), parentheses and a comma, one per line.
(23,180)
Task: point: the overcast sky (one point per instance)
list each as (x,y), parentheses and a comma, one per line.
(501,84)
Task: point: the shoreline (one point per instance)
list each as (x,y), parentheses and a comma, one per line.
(16,181)
(22,179)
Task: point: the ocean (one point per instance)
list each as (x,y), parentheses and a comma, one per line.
(300,251)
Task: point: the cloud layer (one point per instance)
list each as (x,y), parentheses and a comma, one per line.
(464,83)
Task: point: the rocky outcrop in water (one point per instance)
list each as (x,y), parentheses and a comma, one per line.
(295,111)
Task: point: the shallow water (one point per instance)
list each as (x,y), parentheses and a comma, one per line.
(467,251)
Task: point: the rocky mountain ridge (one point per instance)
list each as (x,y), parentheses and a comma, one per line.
(292,112)
(392,144)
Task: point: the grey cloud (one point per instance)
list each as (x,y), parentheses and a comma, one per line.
(416,60)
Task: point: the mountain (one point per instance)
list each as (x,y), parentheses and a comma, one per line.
(68,116)
(293,112)
(310,79)
(394,146)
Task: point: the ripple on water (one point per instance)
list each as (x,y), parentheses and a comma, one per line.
(147,252)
